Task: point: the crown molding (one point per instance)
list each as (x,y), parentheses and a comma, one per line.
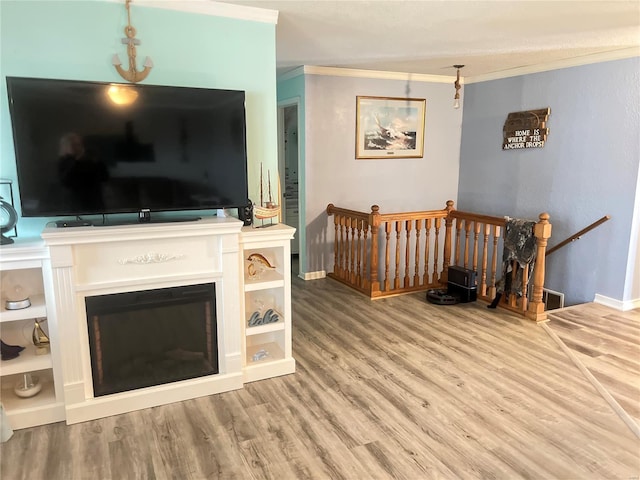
(209,7)
(558,64)
(418,77)
(296,72)
(377,74)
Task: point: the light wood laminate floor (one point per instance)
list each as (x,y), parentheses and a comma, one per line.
(607,342)
(394,388)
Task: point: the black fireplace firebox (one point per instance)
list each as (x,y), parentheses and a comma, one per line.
(153,337)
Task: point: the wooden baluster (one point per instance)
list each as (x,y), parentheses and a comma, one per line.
(494,262)
(387,256)
(347,249)
(365,235)
(396,279)
(336,244)
(359,225)
(467,230)
(448,221)
(435,250)
(513,298)
(525,288)
(407,229)
(342,244)
(352,269)
(416,272)
(374,222)
(458,232)
(340,240)
(476,233)
(427,241)
(542,232)
(485,259)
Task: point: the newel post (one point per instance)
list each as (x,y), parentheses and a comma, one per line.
(448,221)
(374,221)
(542,232)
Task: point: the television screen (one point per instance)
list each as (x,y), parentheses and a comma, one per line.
(95,148)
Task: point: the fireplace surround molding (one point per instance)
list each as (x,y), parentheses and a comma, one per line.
(88,261)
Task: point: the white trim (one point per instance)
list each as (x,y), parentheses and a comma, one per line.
(420,77)
(292,102)
(632,277)
(558,64)
(313,275)
(296,72)
(623,306)
(351,72)
(208,7)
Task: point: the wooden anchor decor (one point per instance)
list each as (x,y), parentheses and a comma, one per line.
(525,129)
(132,75)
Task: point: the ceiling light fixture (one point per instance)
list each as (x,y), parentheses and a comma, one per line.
(456,98)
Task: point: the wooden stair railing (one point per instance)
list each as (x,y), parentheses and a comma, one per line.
(387,254)
(578,235)
(382,255)
(477,246)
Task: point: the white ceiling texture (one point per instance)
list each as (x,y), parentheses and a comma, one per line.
(491,38)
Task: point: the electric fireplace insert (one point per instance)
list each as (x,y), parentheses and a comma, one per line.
(153,337)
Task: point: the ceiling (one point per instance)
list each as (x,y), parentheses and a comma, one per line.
(428,37)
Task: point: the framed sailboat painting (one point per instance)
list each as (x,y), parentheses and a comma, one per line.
(389,127)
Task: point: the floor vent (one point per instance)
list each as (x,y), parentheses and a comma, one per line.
(552,300)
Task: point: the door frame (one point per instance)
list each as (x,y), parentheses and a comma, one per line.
(292,102)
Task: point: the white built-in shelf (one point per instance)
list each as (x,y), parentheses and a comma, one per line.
(37,309)
(269,279)
(274,350)
(274,365)
(271,290)
(47,406)
(269,327)
(27,361)
(37,410)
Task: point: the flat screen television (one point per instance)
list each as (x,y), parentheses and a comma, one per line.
(80,149)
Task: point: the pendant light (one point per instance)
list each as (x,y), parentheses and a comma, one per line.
(456,98)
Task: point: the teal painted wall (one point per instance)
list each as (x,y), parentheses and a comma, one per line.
(289,90)
(76,40)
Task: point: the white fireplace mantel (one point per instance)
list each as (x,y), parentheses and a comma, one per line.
(90,261)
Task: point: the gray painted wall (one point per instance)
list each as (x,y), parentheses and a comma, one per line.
(333,175)
(587,169)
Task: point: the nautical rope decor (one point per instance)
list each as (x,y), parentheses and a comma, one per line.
(131,75)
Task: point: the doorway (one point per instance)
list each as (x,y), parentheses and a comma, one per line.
(288,163)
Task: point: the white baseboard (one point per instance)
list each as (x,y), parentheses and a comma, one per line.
(313,275)
(623,306)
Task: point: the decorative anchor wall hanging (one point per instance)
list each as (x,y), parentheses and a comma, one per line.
(131,75)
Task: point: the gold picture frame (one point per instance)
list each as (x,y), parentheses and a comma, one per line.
(390,127)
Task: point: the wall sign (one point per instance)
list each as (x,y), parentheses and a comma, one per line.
(525,129)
